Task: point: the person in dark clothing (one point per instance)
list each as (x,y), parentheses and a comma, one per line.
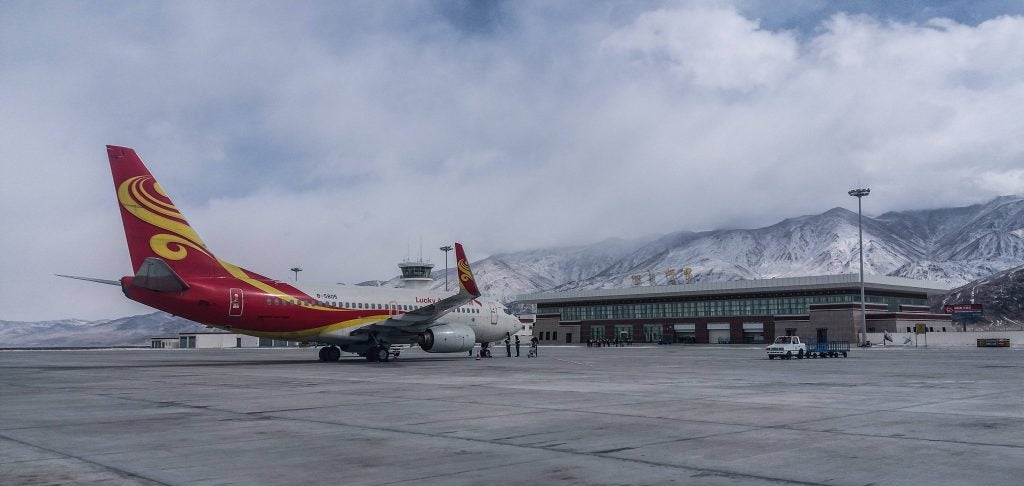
(517,346)
(508,345)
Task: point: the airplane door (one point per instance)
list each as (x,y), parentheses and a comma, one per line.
(494,314)
(392,308)
(237,301)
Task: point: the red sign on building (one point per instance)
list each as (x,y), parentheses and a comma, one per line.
(958,308)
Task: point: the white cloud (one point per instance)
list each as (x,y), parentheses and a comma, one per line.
(336,136)
(712,48)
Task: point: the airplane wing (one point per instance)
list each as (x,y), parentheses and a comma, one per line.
(430,313)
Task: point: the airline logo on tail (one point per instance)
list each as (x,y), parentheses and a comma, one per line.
(466,279)
(153,225)
(143,197)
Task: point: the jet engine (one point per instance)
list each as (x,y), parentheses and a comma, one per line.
(447,338)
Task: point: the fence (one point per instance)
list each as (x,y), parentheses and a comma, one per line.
(970,338)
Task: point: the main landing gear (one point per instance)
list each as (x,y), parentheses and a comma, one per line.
(378,353)
(330,353)
(379,350)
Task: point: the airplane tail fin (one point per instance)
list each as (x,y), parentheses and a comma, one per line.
(153,226)
(466,280)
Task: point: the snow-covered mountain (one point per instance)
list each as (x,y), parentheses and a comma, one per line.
(125,331)
(1000,294)
(952,245)
(510,274)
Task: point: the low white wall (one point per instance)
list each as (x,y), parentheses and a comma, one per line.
(225,340)
(969,338)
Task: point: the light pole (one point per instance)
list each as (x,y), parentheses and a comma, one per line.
(861,193)
(296,270)
(446,249)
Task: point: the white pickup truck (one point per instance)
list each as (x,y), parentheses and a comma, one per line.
(785,347)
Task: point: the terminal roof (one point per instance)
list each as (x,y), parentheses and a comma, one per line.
(786,284)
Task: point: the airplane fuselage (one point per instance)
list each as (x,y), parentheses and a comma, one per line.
(327,314)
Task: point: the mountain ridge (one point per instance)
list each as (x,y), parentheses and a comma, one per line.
(966,246)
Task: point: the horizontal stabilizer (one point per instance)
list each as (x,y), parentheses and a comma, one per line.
(155,274)
(88,279)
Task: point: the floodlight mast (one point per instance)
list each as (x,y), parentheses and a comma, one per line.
(296,270)
(859,194)
(446,249)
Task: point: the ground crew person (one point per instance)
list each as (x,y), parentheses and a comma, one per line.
(508,346)
(517,345)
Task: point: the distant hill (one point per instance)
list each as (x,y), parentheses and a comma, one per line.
(1000,294)
(126,331)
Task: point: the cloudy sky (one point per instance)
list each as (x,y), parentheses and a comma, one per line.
(339,135)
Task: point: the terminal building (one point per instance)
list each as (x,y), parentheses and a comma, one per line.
(821,308)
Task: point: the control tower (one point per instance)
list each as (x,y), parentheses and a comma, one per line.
(416,275)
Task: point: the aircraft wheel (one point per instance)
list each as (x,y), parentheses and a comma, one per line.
(771,356)
(383,354)
(323,354)
(333,353)
(371,354)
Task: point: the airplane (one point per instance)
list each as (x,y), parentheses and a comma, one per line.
(177,273)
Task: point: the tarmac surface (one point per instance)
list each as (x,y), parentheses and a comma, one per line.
(708,415)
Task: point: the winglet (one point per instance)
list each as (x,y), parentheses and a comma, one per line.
(466,280)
